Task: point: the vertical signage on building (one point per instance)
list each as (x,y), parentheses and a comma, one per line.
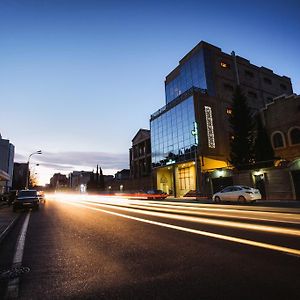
(195,132)
(210,127)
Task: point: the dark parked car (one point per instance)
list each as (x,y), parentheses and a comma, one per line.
(27,199)
(156,194)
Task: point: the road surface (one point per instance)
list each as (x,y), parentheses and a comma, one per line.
(89,247)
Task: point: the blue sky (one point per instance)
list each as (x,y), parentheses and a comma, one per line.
(79,78)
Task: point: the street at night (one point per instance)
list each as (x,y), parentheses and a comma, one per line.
(81,246)
(149,150)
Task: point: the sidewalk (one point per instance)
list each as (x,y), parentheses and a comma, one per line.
(7,220)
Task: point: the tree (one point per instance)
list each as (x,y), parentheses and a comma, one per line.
(242,132)
(262,148)
(96,182)
(91,185)
(101,181)
(33,181)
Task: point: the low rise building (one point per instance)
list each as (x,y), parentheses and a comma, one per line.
(78,180)
(58,181)
(140,155)
(282,120)
(19,176)
(122,175)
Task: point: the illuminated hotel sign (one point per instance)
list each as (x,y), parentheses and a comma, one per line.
(170,162)
(210,127)
(195,133)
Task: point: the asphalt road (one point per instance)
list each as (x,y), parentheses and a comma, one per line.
(91,247)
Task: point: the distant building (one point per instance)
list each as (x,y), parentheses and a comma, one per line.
(78,180)
(19,176)
(97,182)
(108,178)
(58,181)
(140,155)
(7,153)
(190,135)
(123,174)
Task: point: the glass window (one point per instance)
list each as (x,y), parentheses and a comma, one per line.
(191,73)
(278,140)
(174,133)
(225,65)
(295,136)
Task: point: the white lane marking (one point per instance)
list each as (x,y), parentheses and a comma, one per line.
(233,224)
(286,250)
(13,284)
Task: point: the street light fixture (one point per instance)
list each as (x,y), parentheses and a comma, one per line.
(28,161)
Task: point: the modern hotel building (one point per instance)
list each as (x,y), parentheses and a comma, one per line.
(190,135)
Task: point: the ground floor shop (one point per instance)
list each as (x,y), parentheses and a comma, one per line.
(181,178)
(275,183)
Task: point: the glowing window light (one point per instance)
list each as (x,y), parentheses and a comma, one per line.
(210,127)
(224,65)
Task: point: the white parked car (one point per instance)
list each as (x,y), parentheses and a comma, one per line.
(238,193)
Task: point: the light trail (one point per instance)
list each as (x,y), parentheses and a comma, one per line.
(203,212)
(264,216)
(232,224)
(277,248)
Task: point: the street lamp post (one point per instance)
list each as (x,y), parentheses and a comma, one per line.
(28,161)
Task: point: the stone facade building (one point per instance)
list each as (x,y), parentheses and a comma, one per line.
(140,155)
(282,120)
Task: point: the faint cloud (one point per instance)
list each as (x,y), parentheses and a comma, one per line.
(74,159)
(20,158)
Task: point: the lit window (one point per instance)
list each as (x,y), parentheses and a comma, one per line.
(229,111)
(225,65)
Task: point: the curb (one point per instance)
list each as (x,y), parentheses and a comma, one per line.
(9,228)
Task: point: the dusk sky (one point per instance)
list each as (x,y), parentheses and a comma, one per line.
(78,78)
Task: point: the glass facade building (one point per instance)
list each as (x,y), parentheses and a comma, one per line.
(194,72)
(171,134)
(198,94)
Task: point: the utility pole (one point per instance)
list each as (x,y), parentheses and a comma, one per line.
(28,162)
